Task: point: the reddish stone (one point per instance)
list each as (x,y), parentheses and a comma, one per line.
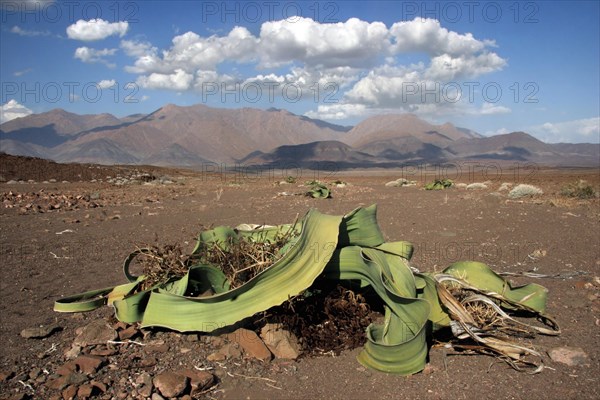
(251,343)
(100,385)
(128,333)
(69,393)
(67,368)
(104,351)
(88,364)
(198,379)
(87,391)
(170,384)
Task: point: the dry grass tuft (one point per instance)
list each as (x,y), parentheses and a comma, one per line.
(161,263)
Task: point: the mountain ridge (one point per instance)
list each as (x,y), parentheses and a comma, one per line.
(175,135)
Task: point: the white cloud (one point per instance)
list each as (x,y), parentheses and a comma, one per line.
(319,84)
(428,35)
(586,130)
(191,52)
(448,68)
(500,131)
(24,4)
(96,29)
(178,80)
(350,43)
(12,110)
(90,56)
(105,84)
(27,32)
(134,48)
(362,59)
(338,111)
(493,109)
(22,72)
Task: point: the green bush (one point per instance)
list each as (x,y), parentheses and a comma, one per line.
(580,190)
(439,184)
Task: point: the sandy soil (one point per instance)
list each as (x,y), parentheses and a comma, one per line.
(78,247)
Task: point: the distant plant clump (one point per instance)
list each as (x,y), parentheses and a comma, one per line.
(580,190)
(524,190)
(318,190)
(401,182)
(476,186)
(439,184)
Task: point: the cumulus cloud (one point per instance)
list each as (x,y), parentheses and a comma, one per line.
(338,111)
(316,83)
(28,32)
(492,109)
(134,48)
(447,68)
(96,29)
(12,110)
(586,130)
(105,83)
(427,35)
(350,43)
(90,56)
(362,61)
(191,52)
(179,80)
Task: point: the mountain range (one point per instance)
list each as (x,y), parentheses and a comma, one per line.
(194,135)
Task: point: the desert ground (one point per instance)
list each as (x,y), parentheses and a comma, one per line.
(70,227)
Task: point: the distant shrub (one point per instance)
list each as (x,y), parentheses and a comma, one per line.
(339,183)
(400,182)
(524,190)
(580,190)
(476,186)
(439,184)
(505,186)
(290,179)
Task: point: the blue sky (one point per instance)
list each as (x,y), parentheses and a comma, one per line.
(494,67)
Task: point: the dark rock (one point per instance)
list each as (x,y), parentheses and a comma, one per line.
(157,348)
(100,385)
(39,332)
(97,332)
(6,375)
(63,381)
(104,351)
